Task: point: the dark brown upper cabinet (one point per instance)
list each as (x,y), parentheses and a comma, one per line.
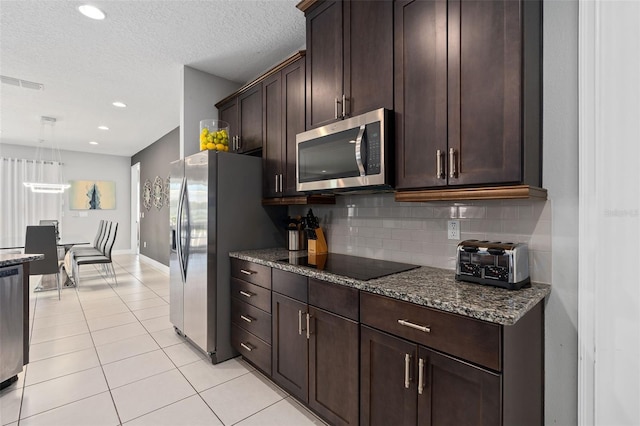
(467,93)
(349,59)
(284,117)
(243,112)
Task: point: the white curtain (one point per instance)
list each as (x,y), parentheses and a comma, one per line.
(19,207)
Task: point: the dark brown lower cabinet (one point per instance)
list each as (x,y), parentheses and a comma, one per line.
(406,384)
(333,367)
(290,347)
(315,352)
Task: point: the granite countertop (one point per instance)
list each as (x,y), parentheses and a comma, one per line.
(11,259)
(426,286)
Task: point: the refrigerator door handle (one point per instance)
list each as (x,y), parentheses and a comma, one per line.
(186,213)
(180,248)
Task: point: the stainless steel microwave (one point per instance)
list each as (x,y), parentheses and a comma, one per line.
(346,155)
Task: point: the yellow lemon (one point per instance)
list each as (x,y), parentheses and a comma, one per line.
(211,146)
(226,148)
(220,147)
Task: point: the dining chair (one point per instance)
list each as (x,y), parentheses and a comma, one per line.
(98,242)
(42,239)
(104,259)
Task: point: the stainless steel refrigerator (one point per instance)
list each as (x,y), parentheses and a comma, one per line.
(215,207)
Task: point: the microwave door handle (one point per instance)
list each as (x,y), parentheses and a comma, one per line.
(359,161)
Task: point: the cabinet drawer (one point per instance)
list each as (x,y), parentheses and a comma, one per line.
(467,338)
(252,319)
(290,284)
(251,348)
(335,298)
(252,294)
(251,272)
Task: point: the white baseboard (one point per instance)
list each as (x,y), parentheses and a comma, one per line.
(160,266)
(122,251)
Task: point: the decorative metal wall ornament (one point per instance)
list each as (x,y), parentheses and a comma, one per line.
(158,192)
(166,190)
(146,194)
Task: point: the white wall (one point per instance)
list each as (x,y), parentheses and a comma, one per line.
(86,166)
(609,313)
(560,177)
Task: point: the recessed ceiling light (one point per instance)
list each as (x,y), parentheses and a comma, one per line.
(93,143)
(119,104)
(91,12)
(103,128)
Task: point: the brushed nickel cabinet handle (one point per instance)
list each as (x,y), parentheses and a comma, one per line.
(246,294)
(420,375)
(247,318)
(452,163)
(344,106)
(246,346)
(439,161)
(409,324)
(239,142)
(407,366)
(337,103)
(276,175)
(308,327)
(281,189)
(244,271)
(300,322)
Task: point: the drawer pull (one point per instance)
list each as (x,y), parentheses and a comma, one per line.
(248,272)
(414,326)
(246,346)
(247,319)
(300,322)
(308,327)
(407,366)
(420,375)
(246,294)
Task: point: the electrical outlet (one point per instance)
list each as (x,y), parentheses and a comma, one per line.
(144,244)
(453,229)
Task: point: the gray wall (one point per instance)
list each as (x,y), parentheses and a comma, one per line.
(154,223)
(200,92)
(87,166)
(560,177)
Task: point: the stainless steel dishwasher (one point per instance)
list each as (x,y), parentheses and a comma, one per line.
(11,324)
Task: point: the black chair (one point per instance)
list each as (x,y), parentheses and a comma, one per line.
(42,239)
(104,260)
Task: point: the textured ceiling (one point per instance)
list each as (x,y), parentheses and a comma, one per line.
(135,56)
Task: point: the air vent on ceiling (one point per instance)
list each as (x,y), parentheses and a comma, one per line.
(21,83)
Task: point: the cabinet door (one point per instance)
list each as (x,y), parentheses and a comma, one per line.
(324,63)
(293,95)
(250,116)
(420,92)
(333,367)
(272,125)
(290,345)
(485,91)
(229,113)
(457,393)
(368,56)
(385,398)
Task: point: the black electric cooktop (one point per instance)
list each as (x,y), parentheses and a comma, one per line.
(359,268)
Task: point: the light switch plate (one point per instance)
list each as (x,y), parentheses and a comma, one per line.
(453,229)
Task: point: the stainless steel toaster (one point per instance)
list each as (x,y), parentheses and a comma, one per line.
(493,263)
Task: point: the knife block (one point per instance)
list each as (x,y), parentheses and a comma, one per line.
(319,245)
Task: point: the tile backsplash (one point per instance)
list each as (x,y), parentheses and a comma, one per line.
(376,226)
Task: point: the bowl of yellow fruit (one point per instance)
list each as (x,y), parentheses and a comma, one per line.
(214,135)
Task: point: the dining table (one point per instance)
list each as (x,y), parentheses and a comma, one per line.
(48,282)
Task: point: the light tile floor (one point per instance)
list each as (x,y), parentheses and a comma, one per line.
(108,355)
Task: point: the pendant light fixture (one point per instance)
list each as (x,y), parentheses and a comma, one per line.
(40,185)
